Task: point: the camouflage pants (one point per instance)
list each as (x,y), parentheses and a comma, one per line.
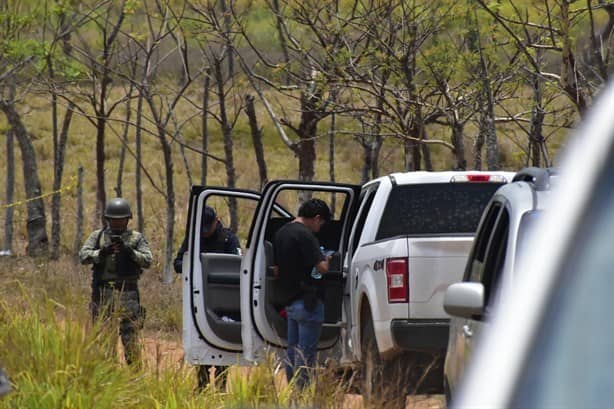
(108,303)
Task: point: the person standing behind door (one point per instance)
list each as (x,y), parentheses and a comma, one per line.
(297,251)
(214,238)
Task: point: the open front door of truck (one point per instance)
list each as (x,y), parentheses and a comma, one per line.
(264,325)
(211,278)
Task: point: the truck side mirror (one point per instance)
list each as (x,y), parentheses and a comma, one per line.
(465,300)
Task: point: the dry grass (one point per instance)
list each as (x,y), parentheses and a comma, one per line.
(26,284)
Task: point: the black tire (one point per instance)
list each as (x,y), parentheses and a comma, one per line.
(379,386)
(372,367)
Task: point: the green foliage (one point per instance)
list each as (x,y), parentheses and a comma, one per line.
(56,358)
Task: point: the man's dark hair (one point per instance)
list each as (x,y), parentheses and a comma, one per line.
(314,207)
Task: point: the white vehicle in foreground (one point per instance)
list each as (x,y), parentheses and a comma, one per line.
(551,343)
(491,267)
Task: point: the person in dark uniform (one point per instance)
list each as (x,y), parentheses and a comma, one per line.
(300,264)
(215,238)
(118,256)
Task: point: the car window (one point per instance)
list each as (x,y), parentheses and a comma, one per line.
(435,209)
(475,262)
(495,256)
(367,199)
(570,364)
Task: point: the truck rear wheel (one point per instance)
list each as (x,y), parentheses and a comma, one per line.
(377,387)
(372,368)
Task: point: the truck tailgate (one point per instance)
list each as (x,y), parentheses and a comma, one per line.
(434,264)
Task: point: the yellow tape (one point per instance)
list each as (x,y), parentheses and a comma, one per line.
(69,186)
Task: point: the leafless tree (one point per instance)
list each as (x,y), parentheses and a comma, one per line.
(107,18)
(256,132)
(163,28)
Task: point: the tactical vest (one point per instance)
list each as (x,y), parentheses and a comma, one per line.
(117,267)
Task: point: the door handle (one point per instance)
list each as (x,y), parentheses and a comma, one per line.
(467,333)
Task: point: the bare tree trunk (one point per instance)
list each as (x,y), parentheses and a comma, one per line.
(331,161)
(186,164)
(167,274)
(488,130)
(122,153)
(138,176)
(282,37)
(79,229)
(101,196)
(205,130)
(38,241)
(459,146)
(306,147)
(417,156)
(367,164)
(228,147)
(120,170)
(58,171)
(257,139)
(102,71)
(492,146)
(536,136)
(376,148)
(10,192)
(229,46)
(478,143)
(424,148)
(407,155)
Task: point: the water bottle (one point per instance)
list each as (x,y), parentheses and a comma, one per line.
(315,274)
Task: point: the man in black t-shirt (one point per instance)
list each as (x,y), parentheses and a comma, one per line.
(297,253)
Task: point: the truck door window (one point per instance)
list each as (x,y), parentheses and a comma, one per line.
(362,217)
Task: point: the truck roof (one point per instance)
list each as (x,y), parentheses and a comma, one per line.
(440,177)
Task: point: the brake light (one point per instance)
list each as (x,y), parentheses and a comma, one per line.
(478,178)
(397,280)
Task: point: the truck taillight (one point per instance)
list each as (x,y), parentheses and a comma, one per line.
(397,280)
(479,177)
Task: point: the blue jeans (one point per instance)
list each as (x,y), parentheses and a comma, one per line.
(304,329)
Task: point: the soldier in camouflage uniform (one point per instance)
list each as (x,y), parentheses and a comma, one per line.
(118,256)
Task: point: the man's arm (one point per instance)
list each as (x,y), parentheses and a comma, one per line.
(322,266)
(233,245)
(178,262)
(90,253)
(142,253)
(320,260)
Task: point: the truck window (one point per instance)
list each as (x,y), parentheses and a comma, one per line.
(435,209)
(360,223)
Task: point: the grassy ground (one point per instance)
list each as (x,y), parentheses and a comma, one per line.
(57,358)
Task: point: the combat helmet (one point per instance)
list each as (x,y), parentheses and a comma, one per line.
(117,208)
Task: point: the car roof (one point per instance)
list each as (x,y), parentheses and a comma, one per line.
(521,196)
(497,363)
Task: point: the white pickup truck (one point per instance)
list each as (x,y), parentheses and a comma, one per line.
(400,240)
